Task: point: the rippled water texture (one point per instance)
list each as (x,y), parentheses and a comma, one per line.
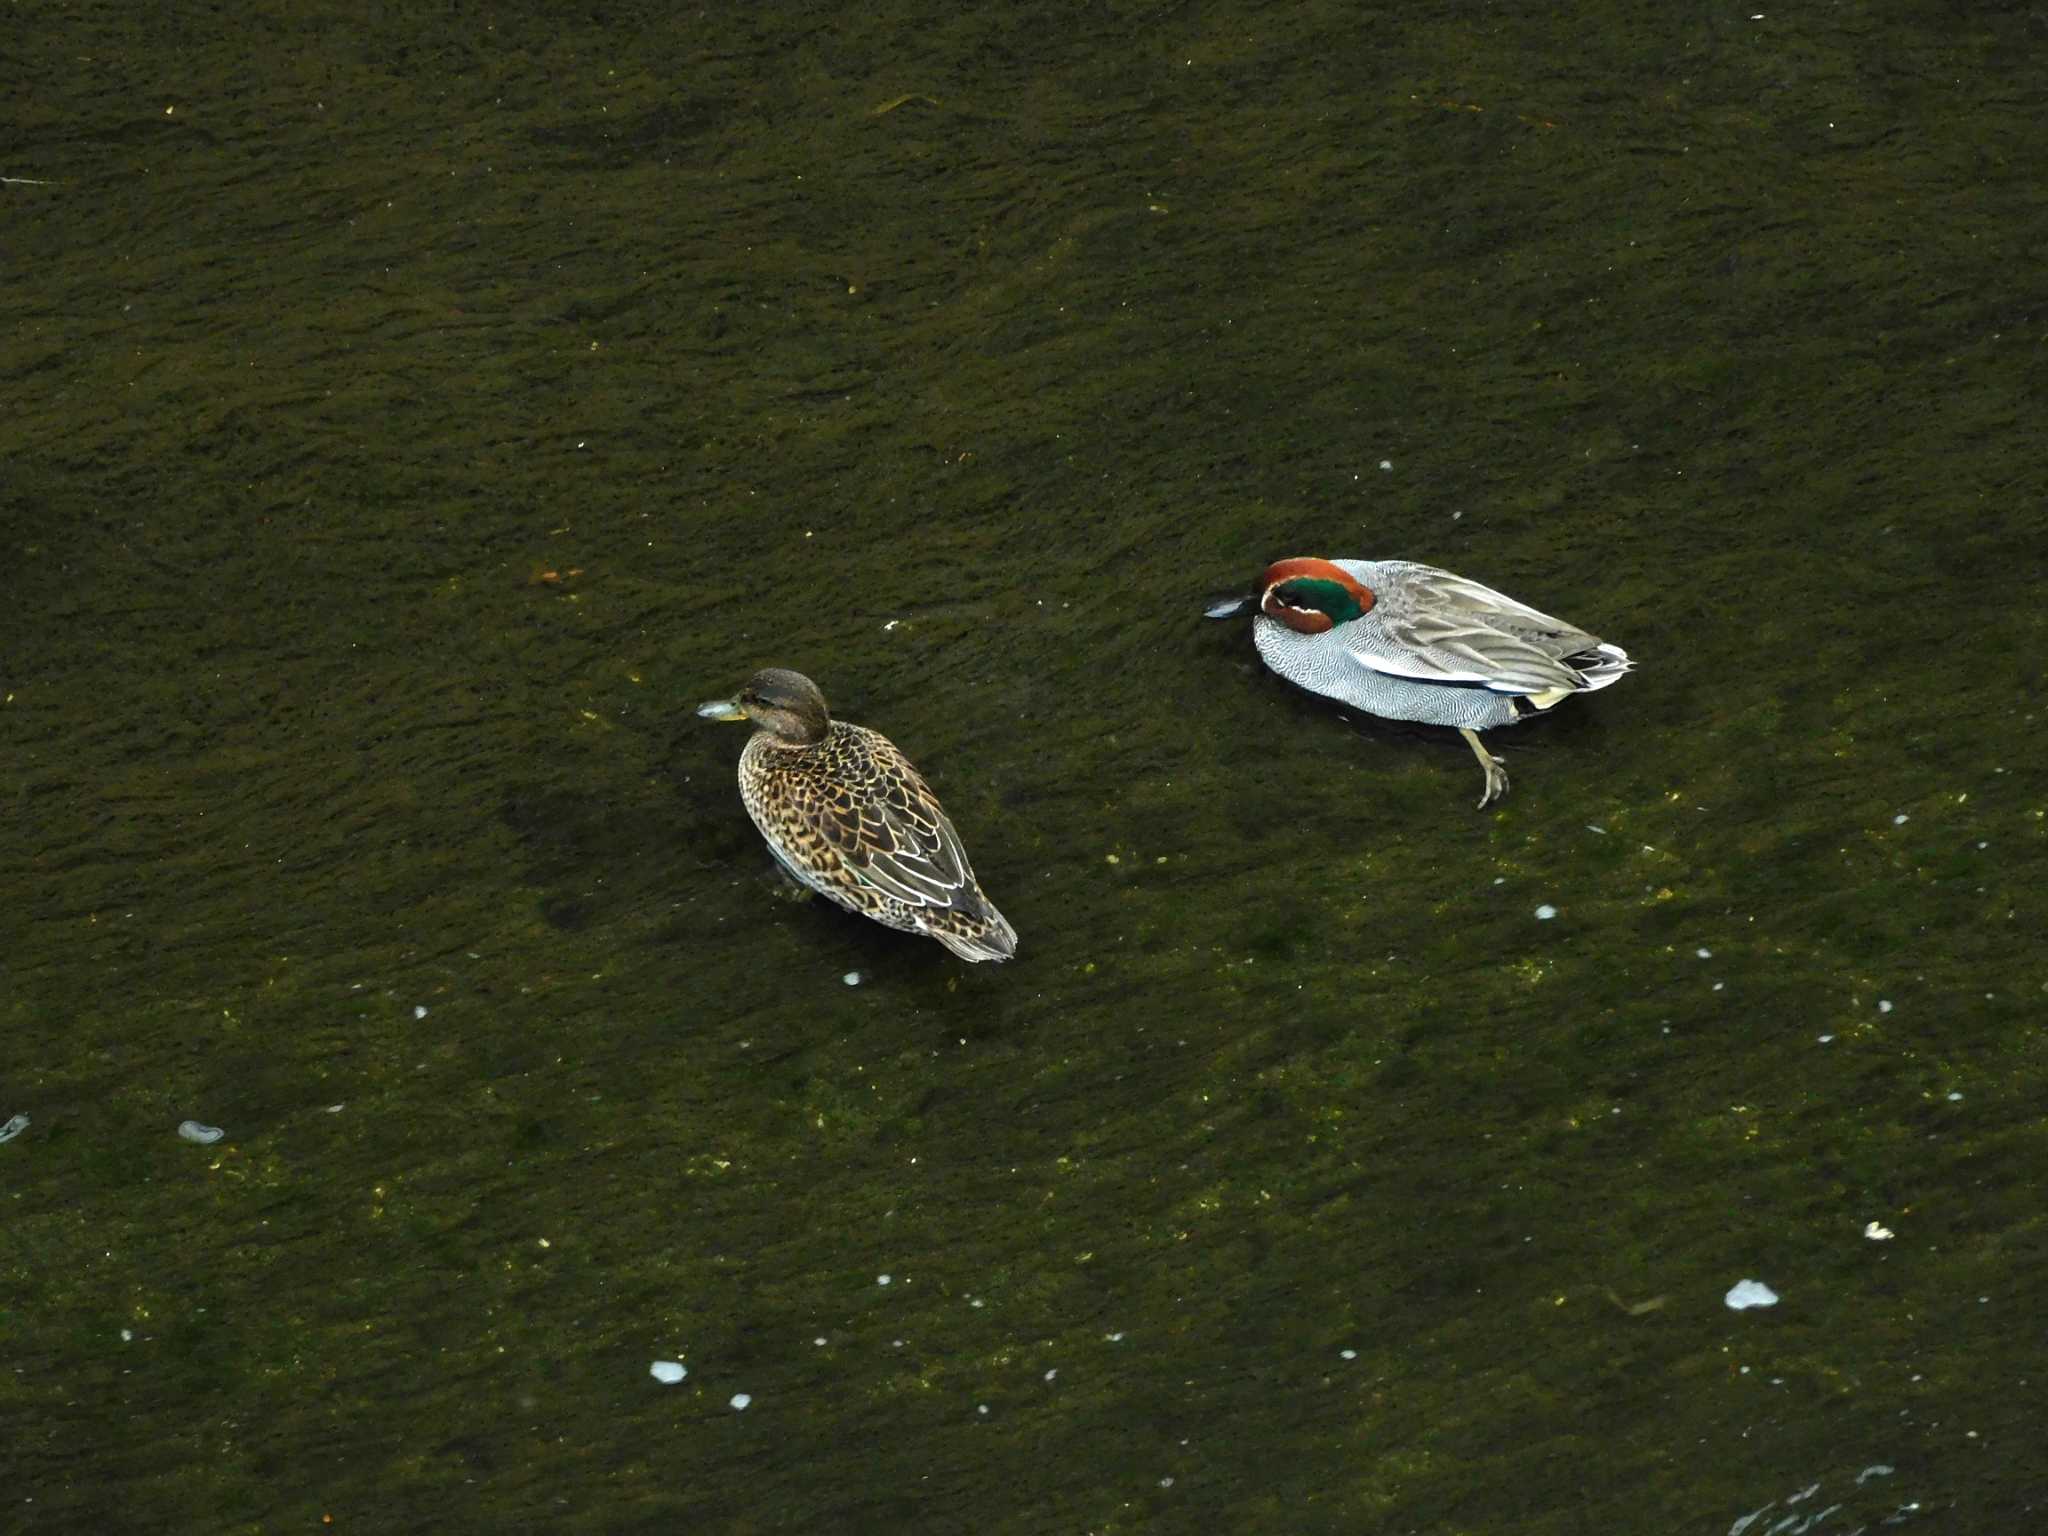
(409,418)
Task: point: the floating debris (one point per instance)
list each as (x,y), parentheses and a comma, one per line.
(1347,1354)
(1545,913)
(13,1128)
(740,1400)
(1884,1005)
(851,978)
(205,1135)
(668,1372)
(884,1279)
(1744,1294)
(1877,1232)
(1899,820)
(419,1010)
(1704,953)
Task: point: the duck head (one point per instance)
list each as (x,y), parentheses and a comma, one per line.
(787,705)
(1311,596)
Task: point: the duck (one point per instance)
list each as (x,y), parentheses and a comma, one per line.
(846,814)
(1407,641)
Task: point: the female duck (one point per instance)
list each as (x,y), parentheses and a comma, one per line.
(1411,642)
(847,815)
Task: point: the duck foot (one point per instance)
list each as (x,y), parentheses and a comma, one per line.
(785,886)
(1496,770)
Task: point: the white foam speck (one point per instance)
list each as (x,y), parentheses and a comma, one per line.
(1955,1098)
(1899,820)
(1386,463)
(13,1128)
(819,1341)
(981,1407)
(205,1135)
(1052,1373)
(1825,1039)
(1884,1005)
(127,1335)
(1347,1354)
(419,1010)
(1877,1232)
(740,1401)
(1704,954)
(884,1279)
(1545,913)
(668,1372)
(1744,1294)
(851,978)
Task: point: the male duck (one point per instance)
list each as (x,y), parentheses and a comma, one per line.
(847,815)
(1411,642)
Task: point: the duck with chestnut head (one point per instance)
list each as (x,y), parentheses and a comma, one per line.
(843,811)
(1410,642)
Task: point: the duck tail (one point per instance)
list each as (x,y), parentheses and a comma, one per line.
(989,937)
(1600,664)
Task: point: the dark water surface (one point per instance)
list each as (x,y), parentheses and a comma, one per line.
(408,418)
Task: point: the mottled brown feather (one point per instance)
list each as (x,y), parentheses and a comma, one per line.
(852,819)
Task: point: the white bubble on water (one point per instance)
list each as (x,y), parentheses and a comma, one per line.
(1545,913)
(668,1372)
(1744,1294)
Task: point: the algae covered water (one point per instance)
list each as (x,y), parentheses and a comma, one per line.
(410,420)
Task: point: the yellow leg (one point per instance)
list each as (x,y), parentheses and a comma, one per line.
(1496,770)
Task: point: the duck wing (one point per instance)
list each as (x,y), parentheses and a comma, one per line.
(874,810)
(1432,626)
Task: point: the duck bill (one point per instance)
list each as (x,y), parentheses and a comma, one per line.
(1228,607)
(721,709)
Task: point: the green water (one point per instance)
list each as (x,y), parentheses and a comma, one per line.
(408,418)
